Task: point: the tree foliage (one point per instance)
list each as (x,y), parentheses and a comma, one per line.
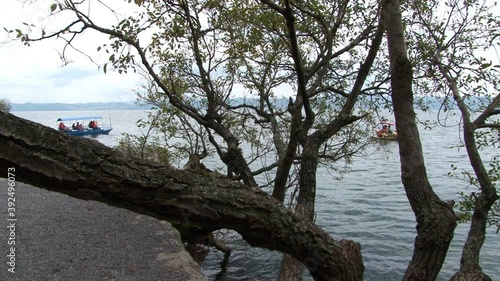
(454,63)
(465,206)
(5,105)
(451,50)
(200,52)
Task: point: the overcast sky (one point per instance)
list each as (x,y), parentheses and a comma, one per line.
(35,74)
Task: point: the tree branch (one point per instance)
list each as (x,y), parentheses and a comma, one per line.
(86,169)
(299,67)
(489,111)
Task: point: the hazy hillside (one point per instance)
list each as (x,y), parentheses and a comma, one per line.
(432,103)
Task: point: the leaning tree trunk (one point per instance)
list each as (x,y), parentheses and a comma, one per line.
(86,169)
(436,220)
(291,269)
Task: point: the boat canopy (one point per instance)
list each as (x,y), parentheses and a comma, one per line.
(390,123)
(79,118)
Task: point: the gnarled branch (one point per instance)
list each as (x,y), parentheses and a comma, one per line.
(86,169)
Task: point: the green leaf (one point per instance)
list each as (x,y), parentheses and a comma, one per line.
(485,65)
(53,7)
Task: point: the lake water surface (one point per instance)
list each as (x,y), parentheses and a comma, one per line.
(368,206)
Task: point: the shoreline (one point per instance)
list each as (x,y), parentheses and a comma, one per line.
(58,237)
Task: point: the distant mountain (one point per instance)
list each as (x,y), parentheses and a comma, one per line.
(78,106)
(428,102)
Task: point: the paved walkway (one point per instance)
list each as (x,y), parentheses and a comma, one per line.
(61,238)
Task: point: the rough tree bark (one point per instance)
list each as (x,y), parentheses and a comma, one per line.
(436,220)
(86,169)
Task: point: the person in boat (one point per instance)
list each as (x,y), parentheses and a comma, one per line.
(79,127)
(93,125)
(63,127)
(73,126)
(383,132)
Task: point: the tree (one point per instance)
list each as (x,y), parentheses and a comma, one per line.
(46,158)
(435,218)
(194,33)
(307,88)
(320,92)
(464,78)
(5,105)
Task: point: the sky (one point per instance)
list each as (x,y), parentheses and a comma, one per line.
(36,74)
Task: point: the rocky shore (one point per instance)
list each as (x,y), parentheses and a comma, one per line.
(56,237)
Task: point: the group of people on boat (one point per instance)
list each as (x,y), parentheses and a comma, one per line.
(93,125)
(78,127)
(386,132)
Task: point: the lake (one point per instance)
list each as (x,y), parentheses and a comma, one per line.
(368,206)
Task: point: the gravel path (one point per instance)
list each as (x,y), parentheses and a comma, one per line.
(61,238)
